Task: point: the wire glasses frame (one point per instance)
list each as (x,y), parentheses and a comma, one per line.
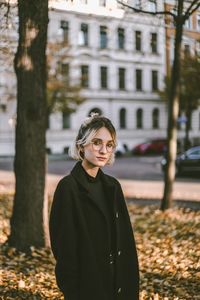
(97,145)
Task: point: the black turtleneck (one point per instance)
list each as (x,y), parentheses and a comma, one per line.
(96,190)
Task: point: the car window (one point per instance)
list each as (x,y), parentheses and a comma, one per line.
(194,153)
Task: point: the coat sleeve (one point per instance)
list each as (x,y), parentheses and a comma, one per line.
(132,245)
(64,241)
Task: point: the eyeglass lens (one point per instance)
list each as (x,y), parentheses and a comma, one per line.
(98,143)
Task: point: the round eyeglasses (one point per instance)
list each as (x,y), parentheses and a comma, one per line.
(97,145)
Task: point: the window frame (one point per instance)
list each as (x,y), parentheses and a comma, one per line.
(103,35)
(64,25)
(154,80)
(138,80)
(122,118)
(84,76)
(155,118)
(138,39)
(121,78)
(121,38)
(139,118)
(84,34)
(154,43)
(66,120)
(104,80)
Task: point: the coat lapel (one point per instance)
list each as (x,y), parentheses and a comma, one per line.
(79,174)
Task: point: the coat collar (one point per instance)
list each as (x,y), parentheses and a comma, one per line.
(79,174)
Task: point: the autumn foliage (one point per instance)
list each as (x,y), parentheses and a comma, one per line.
(168,245)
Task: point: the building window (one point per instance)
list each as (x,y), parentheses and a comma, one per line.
(138,79)
(187,50)
(64,70)
(103,37)
(102,2)
(155,118)
(121,78)
(83,35)
(104,77)
(139,118)
(64,25)
(198,22)
(66,120)
(154,76)
(138,40)
(188,23)
(121,38)
(95,110)
(154,43)
(122,118)
(152,5)
(138,4)
(84,76)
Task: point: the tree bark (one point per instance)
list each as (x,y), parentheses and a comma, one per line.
(27,221)
(173,109)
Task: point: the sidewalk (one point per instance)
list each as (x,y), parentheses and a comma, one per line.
(133,189)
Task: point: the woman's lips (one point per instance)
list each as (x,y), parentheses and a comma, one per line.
(101,158)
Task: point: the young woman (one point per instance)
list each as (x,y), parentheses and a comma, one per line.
(90,230)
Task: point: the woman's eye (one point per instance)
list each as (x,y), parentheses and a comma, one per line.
(110,145)
(97,142)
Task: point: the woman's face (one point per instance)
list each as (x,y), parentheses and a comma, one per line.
(98,152)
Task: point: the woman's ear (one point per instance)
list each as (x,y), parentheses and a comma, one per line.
(81,151)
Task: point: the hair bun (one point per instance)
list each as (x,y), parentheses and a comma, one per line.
(90,118)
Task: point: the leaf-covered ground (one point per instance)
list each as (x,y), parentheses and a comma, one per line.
(169,254)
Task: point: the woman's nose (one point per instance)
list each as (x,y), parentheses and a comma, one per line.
(103,148)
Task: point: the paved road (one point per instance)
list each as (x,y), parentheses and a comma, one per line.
(140,177)
(133,168)
(126,168)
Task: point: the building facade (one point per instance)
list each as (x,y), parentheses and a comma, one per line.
(119,59)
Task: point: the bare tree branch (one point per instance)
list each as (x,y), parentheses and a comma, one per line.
(138,10)
(6,11)
(5,5)
(192,8)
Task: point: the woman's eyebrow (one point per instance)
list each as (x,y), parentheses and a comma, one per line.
(102,140)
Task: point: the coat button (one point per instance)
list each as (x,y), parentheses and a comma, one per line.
(119,290)
(117,215)
(111,259)
(119,252)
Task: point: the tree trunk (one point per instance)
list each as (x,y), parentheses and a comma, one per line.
(27,221)
(173,109)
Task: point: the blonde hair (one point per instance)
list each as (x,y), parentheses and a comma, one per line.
(87,132)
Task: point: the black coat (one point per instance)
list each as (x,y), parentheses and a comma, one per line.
(81,243)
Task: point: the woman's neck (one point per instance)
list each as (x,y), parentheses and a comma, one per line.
(90,169)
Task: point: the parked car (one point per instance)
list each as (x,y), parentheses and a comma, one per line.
(154,146)
(121,149)
(188,161)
